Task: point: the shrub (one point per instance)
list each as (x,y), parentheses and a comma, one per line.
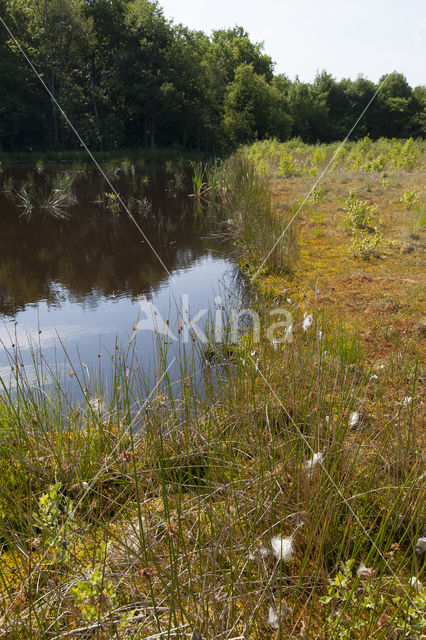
(409,198)
(359,212)
(288,166)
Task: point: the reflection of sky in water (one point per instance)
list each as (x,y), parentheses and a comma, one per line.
(89,327)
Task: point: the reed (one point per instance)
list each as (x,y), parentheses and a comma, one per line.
(257,224)
(55,196)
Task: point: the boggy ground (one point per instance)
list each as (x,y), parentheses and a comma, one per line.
(382,295)
(286,504)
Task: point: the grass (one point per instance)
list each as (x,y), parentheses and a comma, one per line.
(127,516)
(54,195)
(256,223)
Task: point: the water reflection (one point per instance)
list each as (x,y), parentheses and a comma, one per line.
(77,282)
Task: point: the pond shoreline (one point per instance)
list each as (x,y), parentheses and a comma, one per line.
(296,487)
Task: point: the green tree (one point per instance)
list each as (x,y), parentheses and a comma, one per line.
(22,101)
(54,35)
(300,104)
(359,95)
(144,74)
(253,108)
(398,106)
(228,50)
(418,124)
(127,76)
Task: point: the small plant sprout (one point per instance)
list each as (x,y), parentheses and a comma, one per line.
(283,548)
(359,217)
(354,419)
(307,322)
(112,202)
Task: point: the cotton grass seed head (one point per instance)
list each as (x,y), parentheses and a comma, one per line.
(421,545)
(365,572)
(283,548)
(353,419)
(317,459)
(307,322)
(275,614)
(415,584)
(273,620)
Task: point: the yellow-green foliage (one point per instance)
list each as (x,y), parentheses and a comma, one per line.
(409,198)
(360,213)
(294,158)
(287,167)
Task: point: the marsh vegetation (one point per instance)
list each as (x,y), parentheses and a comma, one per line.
(286,500)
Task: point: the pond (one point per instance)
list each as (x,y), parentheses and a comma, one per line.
(78,281)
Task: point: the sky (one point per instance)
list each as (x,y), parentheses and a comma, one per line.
(344,37)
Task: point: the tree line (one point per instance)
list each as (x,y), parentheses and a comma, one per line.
(128,77)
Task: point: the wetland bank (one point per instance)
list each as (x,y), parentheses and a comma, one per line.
(212,330)
(288,499)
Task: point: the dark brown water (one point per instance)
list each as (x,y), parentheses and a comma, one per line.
(82,278)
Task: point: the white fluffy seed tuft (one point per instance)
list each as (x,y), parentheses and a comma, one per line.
(273,620)
(353,419)
(416,584)
(317,459)
(282,548)
(307,322)
(421,545)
